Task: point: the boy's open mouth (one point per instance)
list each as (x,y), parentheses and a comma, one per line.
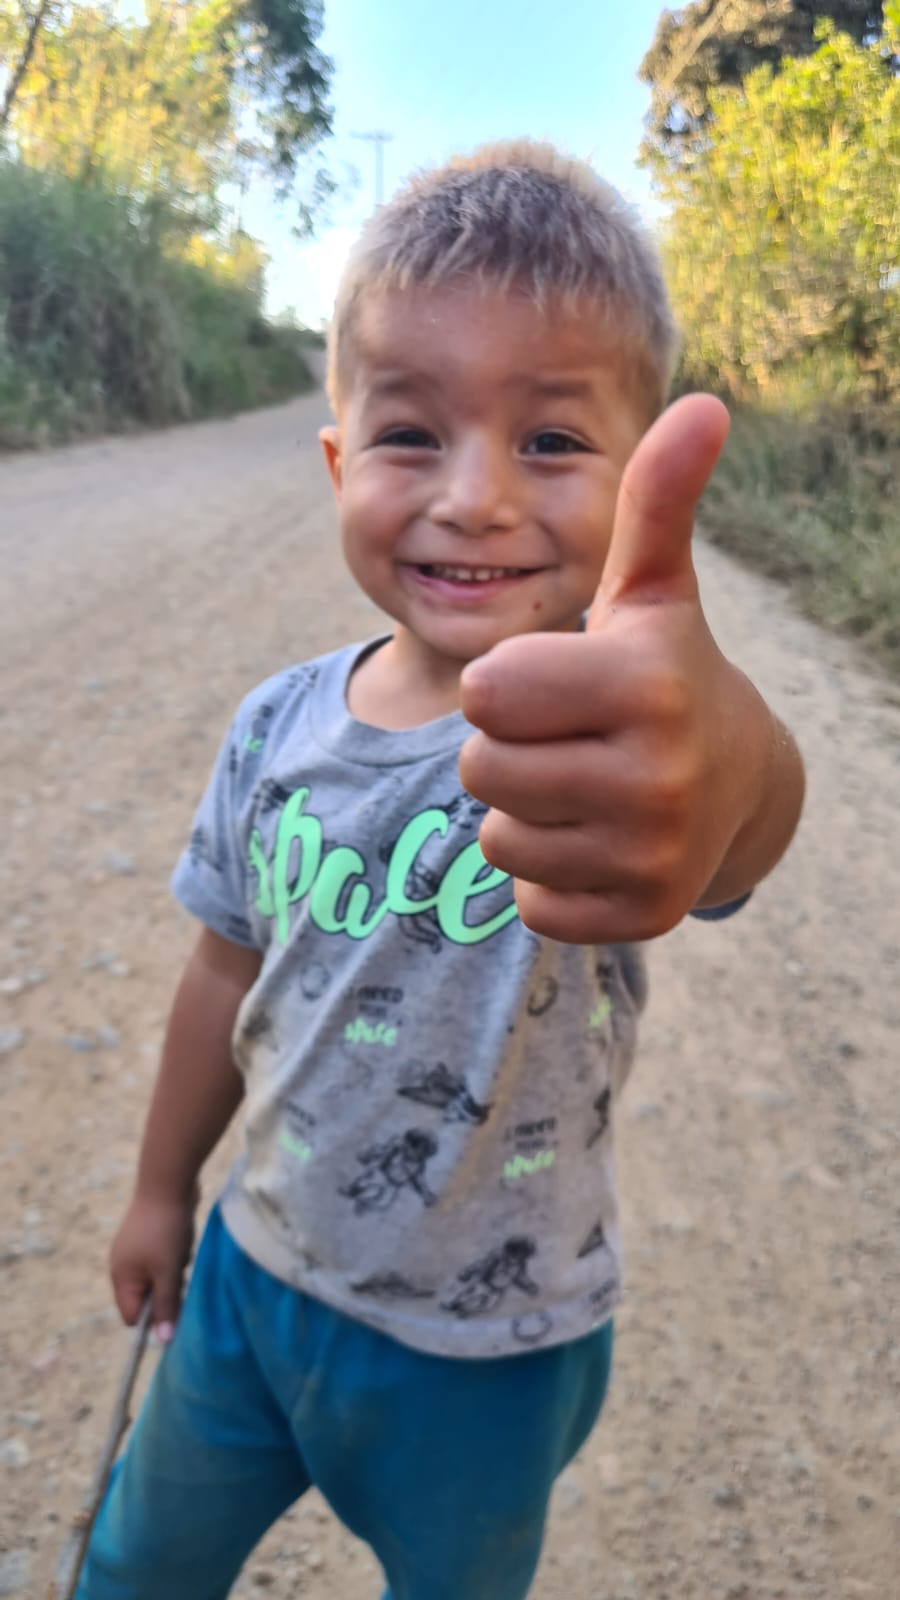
(455,574)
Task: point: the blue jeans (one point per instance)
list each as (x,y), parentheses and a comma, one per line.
(443,1467)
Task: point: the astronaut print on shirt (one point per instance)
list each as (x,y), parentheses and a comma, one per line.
(390,1168)
(482,1286)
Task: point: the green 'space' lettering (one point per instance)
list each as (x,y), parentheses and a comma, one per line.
(340,898)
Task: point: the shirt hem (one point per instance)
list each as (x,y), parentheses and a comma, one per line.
(569,1322)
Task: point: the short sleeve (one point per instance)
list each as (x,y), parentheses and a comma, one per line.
(210,878)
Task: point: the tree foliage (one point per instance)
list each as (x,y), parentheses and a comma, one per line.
(716,44)
(102,326)
(783,231)
(196,93)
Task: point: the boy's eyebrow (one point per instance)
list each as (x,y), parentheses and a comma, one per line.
(557,388)
(389,384)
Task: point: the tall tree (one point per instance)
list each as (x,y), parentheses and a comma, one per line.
(195,94)
(715,44)
(783,231)
(18,37)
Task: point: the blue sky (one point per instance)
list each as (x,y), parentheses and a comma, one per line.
(446,77)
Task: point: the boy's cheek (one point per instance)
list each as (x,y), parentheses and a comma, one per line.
(380,498)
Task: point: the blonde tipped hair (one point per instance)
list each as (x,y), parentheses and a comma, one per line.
(523,217)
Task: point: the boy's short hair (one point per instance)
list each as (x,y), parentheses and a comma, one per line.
(522,216)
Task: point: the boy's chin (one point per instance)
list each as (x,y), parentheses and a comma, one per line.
(468,639)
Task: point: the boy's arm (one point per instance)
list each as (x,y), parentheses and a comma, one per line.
(198,1090)
(633,772)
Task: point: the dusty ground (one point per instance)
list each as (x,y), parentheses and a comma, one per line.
(751,1449)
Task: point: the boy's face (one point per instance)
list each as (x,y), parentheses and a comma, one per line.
(476,465)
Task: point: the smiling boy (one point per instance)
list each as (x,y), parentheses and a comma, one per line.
(513,539)
(405,1295)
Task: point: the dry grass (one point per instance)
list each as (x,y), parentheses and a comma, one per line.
(814,503)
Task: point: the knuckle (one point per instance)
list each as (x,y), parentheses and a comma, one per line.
(663,789)
(661,868)
(537,911)
(669,696)
(475,765)
(494,841)
(653,862)
(673,786)
(662,910)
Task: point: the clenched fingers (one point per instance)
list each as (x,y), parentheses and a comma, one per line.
(597,858)
(609,918)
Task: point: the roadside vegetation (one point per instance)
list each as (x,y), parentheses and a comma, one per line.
(774,144)
(129,293)
(813,501)
(106,325)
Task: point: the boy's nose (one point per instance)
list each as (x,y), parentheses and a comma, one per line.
(477,490)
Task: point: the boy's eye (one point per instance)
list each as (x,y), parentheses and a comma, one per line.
(408,439)
(551,442)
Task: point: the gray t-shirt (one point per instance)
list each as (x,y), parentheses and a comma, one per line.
(430,1086)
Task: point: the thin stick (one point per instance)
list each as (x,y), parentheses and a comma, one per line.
(73,1554)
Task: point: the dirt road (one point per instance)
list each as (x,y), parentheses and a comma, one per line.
(751,1448)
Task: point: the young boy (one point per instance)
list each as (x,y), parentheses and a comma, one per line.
(405,1294)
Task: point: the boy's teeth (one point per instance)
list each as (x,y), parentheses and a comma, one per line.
(473,574)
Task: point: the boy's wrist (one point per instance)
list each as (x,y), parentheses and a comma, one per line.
(171,1189)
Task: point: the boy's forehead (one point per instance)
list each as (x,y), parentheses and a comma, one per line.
(418,331)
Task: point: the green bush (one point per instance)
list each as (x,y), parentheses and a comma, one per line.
(103,326)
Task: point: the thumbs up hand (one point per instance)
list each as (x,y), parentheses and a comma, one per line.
(633,773)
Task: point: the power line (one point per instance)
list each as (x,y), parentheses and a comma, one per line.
(379,139)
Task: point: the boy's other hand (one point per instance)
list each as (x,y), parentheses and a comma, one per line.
(625,765)
(148,1256)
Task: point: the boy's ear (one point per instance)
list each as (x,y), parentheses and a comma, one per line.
(330,440)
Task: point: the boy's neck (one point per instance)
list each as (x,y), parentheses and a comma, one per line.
(393,689)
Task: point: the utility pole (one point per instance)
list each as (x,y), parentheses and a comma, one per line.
(379,139)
